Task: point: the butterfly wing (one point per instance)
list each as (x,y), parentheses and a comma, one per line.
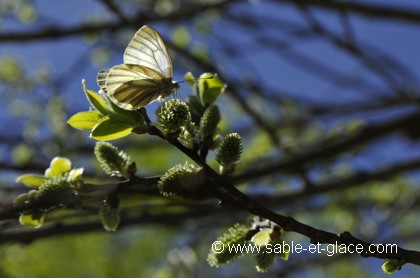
(101,79)
(148,49)
(137,93)
(133,86)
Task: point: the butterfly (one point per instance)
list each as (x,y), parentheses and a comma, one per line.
(145,76)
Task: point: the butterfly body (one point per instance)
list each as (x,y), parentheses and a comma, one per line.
(145,76)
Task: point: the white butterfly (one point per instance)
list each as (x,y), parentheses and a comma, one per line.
(145,76)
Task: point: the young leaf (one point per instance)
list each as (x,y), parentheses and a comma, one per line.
(35,219)
(33,181)
(75,174)
(196,108)
(109,128)
(262,237)
(21,201)
(389,266)
(284,255)
(191,80)
(60,165)
(210,89)
(84,120)
(95,100)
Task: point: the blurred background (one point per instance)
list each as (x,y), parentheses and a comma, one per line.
(325,95)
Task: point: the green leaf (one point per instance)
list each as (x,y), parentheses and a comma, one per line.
(110,217)
(60,165)
(95,100)
(21,200)
(110,128)
(75,174)
(196,108)
(84,120)
(390,266)
(191,80)
(33,181)
(264,260)
(210,89)
(48,173)
(35,219)
(284,255)
(262,237)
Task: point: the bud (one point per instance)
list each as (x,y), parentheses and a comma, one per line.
(56,192)
(229,153)
(236,235)
(173,115)
(209,121)
(110,214)
(21,201)
(113,161)
(182,179)
(264,260)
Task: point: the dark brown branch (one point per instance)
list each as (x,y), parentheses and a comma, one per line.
(243,202)
(369,10)
(173,219)
(114,9)
(316,235)
(141,19)
(357,179)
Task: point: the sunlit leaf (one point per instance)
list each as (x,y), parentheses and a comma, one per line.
(262,237)
(60,165)
(95,100)
(191,80)
(109,128)
(75,174)
(35,219)
(84,120)
(284,255)
(210,88)
(21,200)
(32,180)
(389,266)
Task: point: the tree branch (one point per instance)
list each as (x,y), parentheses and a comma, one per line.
(143,17)
(240,200)
(369,10)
